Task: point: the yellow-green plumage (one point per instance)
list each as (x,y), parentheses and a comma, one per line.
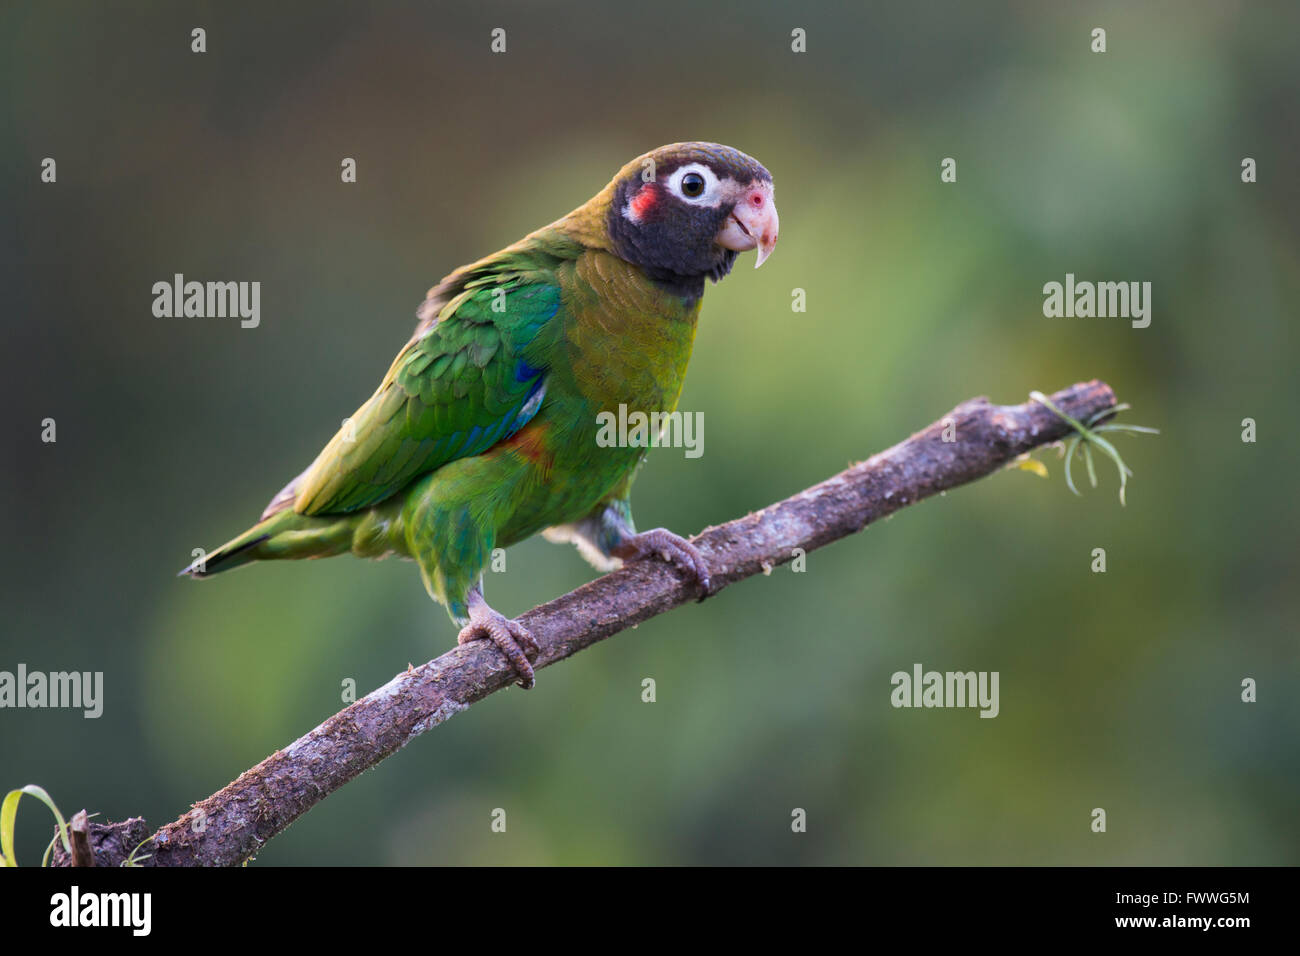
(483,432)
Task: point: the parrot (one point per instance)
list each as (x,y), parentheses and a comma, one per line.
(484,431)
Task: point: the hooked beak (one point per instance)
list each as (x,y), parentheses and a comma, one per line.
(753,223)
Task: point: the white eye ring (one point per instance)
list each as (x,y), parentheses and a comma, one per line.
(712,194)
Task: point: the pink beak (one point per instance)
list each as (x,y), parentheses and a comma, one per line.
(753,223)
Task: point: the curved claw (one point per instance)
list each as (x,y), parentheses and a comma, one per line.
(672,548)
(510,637)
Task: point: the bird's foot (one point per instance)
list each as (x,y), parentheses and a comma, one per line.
(672,548)
(511,637)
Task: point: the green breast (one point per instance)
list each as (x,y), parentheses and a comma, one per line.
(627,341)
(624,342)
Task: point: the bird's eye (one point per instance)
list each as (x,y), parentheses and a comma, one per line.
(692,185)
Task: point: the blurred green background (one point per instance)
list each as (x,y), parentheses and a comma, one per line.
(1118,690)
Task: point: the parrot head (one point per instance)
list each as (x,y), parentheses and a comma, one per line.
(684,211)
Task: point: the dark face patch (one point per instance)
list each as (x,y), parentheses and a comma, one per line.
(672,240)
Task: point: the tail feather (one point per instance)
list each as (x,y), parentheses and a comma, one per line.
(233,554)
(284,535)
(285,498)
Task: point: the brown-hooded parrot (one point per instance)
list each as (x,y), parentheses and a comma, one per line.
(484,431)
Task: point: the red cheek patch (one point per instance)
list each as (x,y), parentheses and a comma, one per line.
(644,200)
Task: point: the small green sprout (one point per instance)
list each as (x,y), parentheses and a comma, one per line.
(9,812)
(1088,435)
(133,859)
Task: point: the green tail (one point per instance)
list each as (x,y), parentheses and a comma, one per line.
(284,535)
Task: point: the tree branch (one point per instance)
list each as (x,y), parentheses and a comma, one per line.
(233,824)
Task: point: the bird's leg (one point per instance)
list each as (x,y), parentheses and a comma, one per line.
(511,637)
(608,533)
(672,548)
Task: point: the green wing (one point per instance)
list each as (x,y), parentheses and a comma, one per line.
(468,380)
